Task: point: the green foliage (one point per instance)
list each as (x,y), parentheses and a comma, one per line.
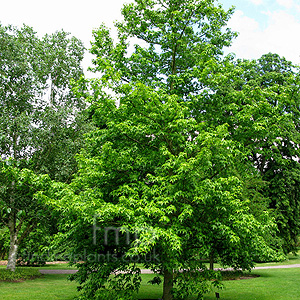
(120,285)
(19,275)
(21,212)
(174,42)
(21,185)
(169,164)
(39,134)
(259,101)
(33,128)
(4,242)
(33,250)
(168,179)
(197,283)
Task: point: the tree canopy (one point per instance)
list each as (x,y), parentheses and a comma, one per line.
(192,154)
(169,164)
(40,124)
(258,100)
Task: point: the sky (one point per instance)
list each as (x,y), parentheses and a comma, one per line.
(266,26)
(263,25)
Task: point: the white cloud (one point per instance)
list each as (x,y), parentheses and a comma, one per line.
(279,36)
(245,46)
(282,33)
(256,2)
(286,3)
(78,18)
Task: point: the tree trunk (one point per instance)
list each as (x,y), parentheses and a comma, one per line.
(13,252)
(13,233)
(211,261)
(168,285)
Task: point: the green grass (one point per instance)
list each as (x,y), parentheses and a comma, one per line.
(54,287)
(279,284)
(149,291)
(60,266)
(291,260)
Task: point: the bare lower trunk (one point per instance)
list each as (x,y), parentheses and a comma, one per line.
(168,285)
(211,262)
(13,252)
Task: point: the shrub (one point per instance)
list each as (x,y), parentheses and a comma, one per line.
(231,275)
(19,275)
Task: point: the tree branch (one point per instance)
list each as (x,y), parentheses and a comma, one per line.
(139,142)
(27,231)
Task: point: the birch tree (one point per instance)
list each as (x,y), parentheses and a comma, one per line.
(39,133)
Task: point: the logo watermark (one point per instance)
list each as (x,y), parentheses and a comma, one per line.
(91,257)
(120,235)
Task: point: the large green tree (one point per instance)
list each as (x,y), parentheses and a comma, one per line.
(40,124)
(278,154)
(154,172)
(156,167)
(259,100)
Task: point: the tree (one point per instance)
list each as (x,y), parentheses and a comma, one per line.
(155,167)
(145,174)
(278,161)
(19,212)
(61,120)
(259,101)
(37,134)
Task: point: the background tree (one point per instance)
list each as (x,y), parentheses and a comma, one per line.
(156,166)
(259,101)
(278,160)
(19,211)
(37,132)
(61,120)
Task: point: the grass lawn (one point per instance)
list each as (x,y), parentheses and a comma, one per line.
(47,287)
(61,266)
(279,284)
(291,260)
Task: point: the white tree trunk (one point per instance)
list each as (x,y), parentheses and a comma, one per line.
(13,252)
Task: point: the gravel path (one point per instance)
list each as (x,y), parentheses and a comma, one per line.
(58,271)
(147,271)
(278,267)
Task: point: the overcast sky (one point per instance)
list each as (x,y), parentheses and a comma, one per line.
(263,25)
